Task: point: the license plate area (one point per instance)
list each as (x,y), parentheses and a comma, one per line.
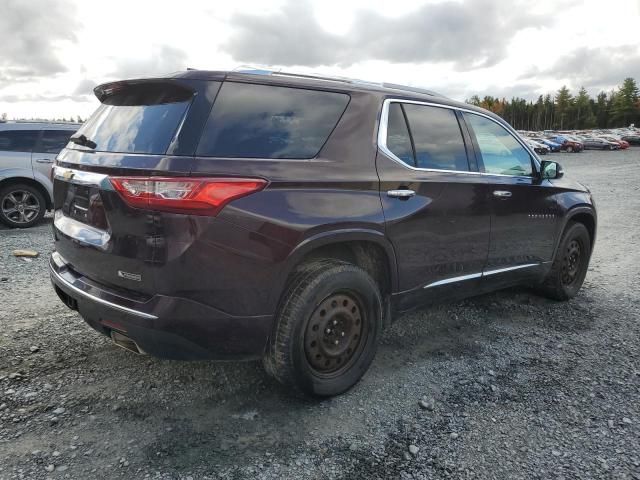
(83,203)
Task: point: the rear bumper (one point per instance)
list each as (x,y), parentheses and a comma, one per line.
(163,326)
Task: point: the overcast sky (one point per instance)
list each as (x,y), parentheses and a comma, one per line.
(53,52)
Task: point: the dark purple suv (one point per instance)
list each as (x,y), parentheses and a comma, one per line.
(226,215)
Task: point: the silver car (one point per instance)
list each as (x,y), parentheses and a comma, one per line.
(27,151)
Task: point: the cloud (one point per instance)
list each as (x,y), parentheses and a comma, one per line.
(160,60)
(32,31)
(596,68)
(471,34)
(40,97)
(85,87)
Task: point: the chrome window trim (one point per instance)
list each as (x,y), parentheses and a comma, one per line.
(484,273)
(100,300)
(382,138)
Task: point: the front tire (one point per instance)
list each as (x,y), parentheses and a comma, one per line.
(21,205)
(570,264)
(327,329)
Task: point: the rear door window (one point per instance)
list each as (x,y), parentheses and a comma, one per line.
(138,118)
(53,141)
(262,121)
(18,140)
(437,138)
(398,138)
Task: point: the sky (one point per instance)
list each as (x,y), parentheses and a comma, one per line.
(53,52)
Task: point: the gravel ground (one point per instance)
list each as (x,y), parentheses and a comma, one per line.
(507,385)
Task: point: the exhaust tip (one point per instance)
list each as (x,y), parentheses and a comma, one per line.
(125,342)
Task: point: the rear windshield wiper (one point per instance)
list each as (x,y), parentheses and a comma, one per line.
(84,141)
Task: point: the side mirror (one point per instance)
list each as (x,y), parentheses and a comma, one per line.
(551,170)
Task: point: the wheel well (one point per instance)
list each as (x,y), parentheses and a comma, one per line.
(588,221)
(369,256)
(32,183)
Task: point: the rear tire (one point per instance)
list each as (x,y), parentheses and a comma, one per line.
(570,264)
(21,205)
(569,149)
(327,329)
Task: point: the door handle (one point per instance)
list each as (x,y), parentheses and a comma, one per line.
(403,193)
(44,160)
(504,194)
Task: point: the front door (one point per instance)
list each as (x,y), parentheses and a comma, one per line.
(524,213)
(433,198)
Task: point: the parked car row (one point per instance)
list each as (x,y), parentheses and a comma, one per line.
(577,141)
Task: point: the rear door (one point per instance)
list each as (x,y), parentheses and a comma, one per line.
(142,128)
(50,143)
(433,198)
(524,212)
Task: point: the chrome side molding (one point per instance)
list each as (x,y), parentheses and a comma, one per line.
(484,273)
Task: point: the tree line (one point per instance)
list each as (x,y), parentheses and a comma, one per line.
(565,111)
(78,119)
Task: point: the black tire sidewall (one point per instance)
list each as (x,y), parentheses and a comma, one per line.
(576,231)
(33,191)
(356,282)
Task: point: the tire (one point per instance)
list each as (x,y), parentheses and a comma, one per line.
(569,149)
(327,301)
(568,271)
(21,205)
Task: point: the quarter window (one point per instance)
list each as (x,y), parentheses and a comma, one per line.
(501,153)
(54,140)
(18,140)
(262,121)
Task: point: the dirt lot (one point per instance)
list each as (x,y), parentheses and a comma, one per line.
(516,386)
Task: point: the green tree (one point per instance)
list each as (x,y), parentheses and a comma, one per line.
(564,102)
(584,117)
(625,106)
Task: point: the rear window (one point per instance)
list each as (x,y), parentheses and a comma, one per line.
(18,140)
(137,118)
(261,121)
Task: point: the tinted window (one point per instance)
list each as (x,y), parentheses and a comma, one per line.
(18,140)
(398,139)
(500,151)
(54,140)
(259,121)
(139,118)
(437,138)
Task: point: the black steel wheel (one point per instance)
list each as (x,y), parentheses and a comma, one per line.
(570,264)
(327,328)
(21,206)
(334,333)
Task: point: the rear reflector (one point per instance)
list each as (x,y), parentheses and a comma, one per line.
(193,196)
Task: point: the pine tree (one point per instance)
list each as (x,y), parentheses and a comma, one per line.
(584,117)
(625,106)
(564,101)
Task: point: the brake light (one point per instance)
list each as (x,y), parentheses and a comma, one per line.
(193,196)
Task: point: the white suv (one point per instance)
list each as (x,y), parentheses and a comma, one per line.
(27,151)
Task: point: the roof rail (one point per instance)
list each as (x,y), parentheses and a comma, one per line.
(353,81)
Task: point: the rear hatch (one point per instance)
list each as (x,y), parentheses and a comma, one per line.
(142,128)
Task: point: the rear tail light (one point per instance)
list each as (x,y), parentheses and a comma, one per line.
(193,196)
